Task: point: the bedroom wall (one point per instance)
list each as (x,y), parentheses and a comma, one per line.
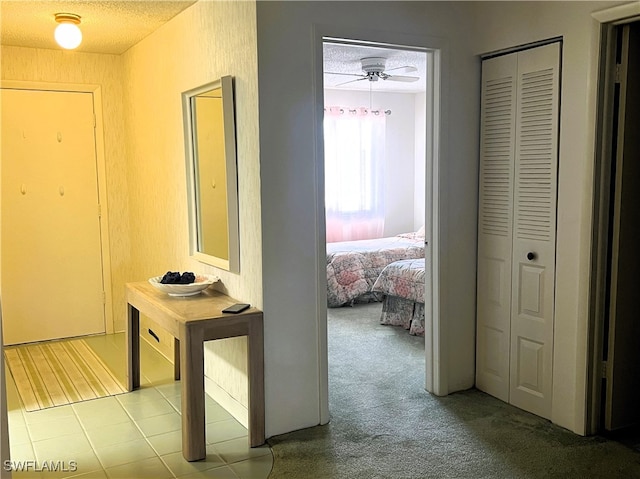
(400,198)
(508,24)
(419,187)
(203,43)
(294,261)
(56,66)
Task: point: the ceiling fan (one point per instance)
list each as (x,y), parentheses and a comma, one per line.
(374,70)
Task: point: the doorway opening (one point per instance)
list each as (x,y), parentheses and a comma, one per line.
(614,329)
(388,95)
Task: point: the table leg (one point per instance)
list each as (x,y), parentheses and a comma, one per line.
(192,378)
(133,348)
(255,361)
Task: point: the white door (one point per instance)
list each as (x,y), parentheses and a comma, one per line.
(534,233)
(51,252)
(495,225)
(516,228)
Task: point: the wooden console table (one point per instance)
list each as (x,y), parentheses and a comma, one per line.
(192,320)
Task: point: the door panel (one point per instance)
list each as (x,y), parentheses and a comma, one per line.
(51,252)
(534,240)
(495,225)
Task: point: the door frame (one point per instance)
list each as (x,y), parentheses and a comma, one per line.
(96,92)
(608,19)
(436,363)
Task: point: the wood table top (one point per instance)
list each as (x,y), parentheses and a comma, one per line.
(204,306)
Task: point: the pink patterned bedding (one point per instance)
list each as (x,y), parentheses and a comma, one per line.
(402,283)
(354,266)
(404,279)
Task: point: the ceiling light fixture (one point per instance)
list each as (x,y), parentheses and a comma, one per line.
(67,33)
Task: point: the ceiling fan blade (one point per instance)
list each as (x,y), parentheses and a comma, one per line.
(405,69)
(350,81)
(347,74)
(402,78)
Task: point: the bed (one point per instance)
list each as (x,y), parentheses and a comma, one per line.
(402,285)
(354,266)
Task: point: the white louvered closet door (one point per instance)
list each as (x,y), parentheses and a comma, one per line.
(497,149)
(534,240)
(517,224)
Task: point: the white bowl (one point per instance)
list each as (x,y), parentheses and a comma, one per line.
(203,281)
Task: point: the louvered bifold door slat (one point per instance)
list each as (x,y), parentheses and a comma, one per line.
(495,220)
(536,158)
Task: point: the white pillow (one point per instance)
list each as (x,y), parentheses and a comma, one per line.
(420,232)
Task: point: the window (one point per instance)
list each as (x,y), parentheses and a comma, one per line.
(354,142)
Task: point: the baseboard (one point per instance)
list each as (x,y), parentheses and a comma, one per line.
(230,404)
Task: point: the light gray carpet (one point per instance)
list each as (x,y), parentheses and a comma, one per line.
(384,425)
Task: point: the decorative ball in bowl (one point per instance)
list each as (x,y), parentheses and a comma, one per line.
(185,284)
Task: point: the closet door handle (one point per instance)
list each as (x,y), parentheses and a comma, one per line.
(531,256)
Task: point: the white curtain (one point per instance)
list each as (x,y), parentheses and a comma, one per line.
(354,145)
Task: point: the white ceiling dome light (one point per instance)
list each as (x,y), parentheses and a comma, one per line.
(67,33)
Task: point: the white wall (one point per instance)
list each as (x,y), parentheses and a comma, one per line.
(507,24)
(419,190)
(294,258)
(400,199)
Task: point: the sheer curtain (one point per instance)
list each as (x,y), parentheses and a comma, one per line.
(354,149)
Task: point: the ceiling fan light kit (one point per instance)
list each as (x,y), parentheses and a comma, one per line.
(373,64)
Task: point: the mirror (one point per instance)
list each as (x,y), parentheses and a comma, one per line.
(212,183)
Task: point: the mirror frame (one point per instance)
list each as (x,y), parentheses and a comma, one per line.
(231,264)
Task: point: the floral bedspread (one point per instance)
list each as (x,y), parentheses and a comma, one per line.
(404,279)
(354,266)
(402,283)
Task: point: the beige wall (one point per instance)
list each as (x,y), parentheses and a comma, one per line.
(203,43)
(53,66)
(144,152)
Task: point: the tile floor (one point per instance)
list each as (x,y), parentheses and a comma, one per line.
(135,435)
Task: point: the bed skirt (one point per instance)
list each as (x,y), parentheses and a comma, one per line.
(409,314)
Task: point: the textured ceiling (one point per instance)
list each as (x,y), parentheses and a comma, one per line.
(346,58)
(114,26)
(107,27)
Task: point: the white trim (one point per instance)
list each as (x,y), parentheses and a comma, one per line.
(228,402)
(96,92)
(321,228)
(625,13)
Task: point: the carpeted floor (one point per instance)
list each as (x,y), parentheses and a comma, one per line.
(384,425)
